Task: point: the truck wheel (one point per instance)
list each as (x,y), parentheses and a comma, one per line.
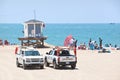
(17,63)
(41,66)
(55,66)
(46,63)
(73,66)
(24,66)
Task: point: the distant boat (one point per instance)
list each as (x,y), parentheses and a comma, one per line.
(112,23)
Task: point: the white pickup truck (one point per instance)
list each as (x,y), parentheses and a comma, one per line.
(29,57)
(60,58)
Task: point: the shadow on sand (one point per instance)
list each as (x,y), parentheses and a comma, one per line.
(64,68)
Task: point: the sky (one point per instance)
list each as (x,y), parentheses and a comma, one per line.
(60,11)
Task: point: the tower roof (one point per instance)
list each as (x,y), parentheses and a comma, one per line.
(34,21)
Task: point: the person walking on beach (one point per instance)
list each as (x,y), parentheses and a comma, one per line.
(100,40)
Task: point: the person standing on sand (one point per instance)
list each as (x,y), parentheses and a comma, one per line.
(100,40)
(75,46)
(72,43)
(89,44)
(1,42)
(16,50)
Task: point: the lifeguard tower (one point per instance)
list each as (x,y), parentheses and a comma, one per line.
(33,34)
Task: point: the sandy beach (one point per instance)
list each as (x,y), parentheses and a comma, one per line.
(91,65)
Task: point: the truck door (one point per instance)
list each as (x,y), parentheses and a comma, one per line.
(21,57)
(50,57)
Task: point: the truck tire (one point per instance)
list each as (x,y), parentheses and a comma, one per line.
(73,66)
(46,63)
(41,66)
(24,66)
(55,66)
(17,63)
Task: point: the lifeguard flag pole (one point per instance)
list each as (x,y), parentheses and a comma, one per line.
(75,51)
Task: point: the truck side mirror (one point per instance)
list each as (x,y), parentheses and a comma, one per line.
(22,53)
(47,53)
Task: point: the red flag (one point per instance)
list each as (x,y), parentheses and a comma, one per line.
(67,40)
(16,49)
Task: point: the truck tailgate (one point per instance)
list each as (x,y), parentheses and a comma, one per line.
(67,58)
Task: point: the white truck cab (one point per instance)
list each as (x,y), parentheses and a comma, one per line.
(29,57)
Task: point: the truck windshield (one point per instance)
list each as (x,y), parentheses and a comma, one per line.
(32,53)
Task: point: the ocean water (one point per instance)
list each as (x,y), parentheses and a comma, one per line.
(56,33)
(11,32)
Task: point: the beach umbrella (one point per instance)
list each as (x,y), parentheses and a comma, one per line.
(67,40)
